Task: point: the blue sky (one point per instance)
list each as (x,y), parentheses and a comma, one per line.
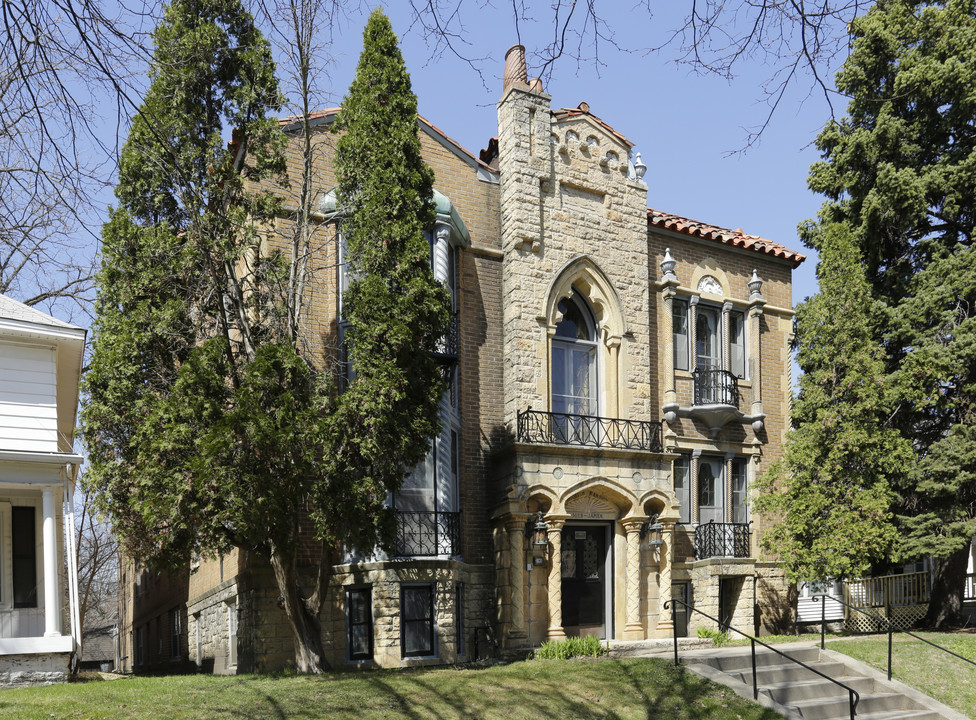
(687,127)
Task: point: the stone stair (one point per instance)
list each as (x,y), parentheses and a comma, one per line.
(800,694)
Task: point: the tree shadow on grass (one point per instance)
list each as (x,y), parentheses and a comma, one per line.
(676,693)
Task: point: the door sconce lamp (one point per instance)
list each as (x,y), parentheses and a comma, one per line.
(537,531)
(653,530)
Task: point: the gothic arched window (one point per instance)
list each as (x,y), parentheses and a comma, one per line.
(574,366)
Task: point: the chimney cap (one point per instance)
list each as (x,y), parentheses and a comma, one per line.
(516,72)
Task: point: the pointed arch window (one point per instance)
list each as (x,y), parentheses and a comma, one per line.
(574,359)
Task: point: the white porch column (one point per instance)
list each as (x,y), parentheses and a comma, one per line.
(52,606)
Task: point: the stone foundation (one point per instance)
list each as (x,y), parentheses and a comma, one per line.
(34,669)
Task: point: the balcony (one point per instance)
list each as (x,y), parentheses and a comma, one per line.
(716,397)
(714,539)
(427,534)
(535,426)
(447,346)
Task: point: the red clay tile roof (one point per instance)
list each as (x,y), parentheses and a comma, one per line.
(734,238)
(583,110)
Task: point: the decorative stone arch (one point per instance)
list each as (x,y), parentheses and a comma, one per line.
(585,277)
(603,497)
(540,497)
(661,503)
(706,276)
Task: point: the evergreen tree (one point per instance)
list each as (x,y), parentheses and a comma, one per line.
(207,428)
(832,490)
(900,171)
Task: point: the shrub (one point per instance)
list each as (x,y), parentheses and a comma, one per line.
(716,636)
(587,646)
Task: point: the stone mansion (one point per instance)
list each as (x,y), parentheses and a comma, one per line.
(619,377)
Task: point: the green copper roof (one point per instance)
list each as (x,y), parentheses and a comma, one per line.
(443,207)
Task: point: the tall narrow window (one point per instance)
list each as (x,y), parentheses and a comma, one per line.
(417,620)
(419,489)
(459,619)
(711,506)
(679,324)
(232,634)
(708,354)
(740,491)
(682,487)
(24,556)
(359,623)
(176,633)
(737,343)
(574,381)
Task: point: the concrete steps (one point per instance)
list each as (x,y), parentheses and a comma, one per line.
(800,694)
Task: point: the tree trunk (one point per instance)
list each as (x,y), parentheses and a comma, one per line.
(305,627)
(945,606)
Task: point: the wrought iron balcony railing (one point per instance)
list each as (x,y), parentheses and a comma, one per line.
(715,387)
(447,346)
(714,539)
(428,533)
(535,426)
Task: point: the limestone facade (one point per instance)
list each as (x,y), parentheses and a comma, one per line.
(621,376)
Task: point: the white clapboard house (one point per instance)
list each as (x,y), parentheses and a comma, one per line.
(40,366)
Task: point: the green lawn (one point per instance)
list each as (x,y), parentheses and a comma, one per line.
(578,689)
(947,679)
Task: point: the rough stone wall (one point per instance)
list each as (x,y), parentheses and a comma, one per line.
(562,199)
(207,621)
(385,580)
(706,576)
(33,669)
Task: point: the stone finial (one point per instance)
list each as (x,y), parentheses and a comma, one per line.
(639,167)
(755,286)
(515,71)
(667,265)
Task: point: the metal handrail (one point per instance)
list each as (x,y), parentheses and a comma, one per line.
(853,695)
(892,627)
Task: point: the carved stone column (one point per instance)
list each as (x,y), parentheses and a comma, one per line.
(555,532)
(442,249)
(756,303)
(726,340)
(667,342)
(693,479)
(664,624)
(633,629)
(693,333)
(613,381)
(516,576)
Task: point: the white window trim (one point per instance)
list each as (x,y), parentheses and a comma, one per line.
(6,558)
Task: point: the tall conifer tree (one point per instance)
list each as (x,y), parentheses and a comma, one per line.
(832,491)
(207,428)
(900,172)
